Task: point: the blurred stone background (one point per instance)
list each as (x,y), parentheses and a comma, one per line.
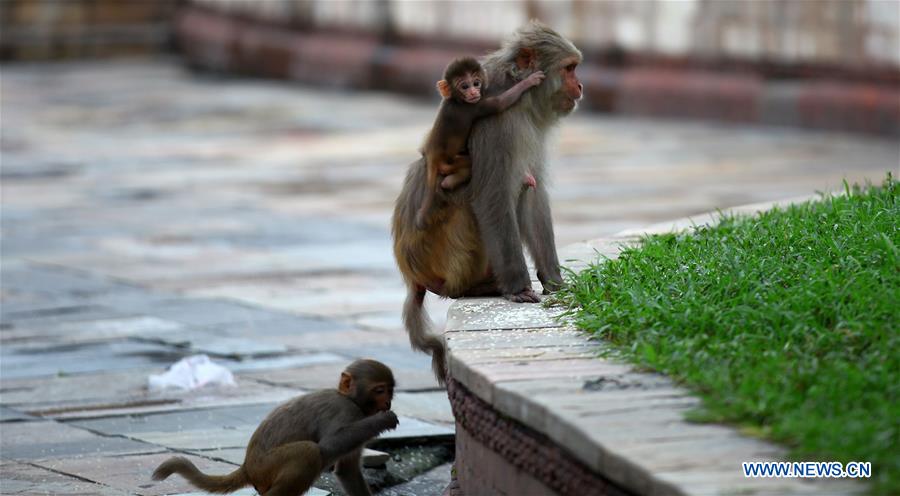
(862,34)
(827,64)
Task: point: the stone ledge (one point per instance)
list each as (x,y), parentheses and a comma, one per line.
(626,427)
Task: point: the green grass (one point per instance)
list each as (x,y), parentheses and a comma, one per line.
(785,323)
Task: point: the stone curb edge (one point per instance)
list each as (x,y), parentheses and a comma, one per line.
(625,425)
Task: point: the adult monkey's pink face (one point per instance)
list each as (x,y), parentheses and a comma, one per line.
(565,99)
(572,89)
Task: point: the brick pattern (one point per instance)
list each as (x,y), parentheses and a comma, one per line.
(857,32)
(497,455)
(218,42)
(37,30)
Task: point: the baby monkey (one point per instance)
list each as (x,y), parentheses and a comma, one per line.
(462,86)
(306,435)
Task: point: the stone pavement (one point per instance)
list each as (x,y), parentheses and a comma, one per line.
(149,213)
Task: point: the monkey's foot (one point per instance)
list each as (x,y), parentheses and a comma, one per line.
(527,295)
(552,283)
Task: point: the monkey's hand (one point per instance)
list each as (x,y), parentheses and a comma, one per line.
(386,421)
(527,295)
(535,78)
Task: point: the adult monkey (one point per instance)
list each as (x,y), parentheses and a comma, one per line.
(472,245)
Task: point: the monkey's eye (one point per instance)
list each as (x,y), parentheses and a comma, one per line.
(477,84)
(571,67)
(379,390)
(465,86)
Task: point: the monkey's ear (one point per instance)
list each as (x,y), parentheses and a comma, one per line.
(443,88)
(525,59)
(346,384)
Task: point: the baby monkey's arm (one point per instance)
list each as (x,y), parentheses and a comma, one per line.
(503,101)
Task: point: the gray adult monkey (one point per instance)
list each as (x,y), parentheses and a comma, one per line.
(472,245)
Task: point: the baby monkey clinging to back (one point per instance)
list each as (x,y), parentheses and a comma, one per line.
(462,86)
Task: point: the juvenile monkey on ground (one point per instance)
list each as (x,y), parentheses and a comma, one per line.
(306,435)
(472,245)
(461,89)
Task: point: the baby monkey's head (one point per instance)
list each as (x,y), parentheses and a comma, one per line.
(464,80)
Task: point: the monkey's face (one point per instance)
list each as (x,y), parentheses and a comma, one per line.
(571,90)
(377,397)
(467,88)
(369,384)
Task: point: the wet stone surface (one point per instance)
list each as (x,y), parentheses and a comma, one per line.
(149,213)
(24,478)
(24,441)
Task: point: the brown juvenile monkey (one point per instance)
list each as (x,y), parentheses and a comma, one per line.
(304,436)
(472,245)
(464,80)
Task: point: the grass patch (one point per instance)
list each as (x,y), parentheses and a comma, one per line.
(785,323)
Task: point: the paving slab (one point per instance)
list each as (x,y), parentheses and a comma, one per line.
(227,419)
(50,360)
(415,429)
(52,281)
(548,337)
(222,428)
(208,312)
(132,473)
(306,300)
(213,344)
(24,478)
(473,314)
(285,361)
(48,439)
(126,393)
(197,439)
(432,406)
(539,353)
(12,415)
(230,455)
(326,375)
(59,312)
(481,378)
(87,331)
(374,458)
(279,327)
(84,389)
(346,342)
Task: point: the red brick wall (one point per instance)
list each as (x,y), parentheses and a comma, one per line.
(62,29)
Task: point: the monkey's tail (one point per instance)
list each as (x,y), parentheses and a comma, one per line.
(209,483)
(419,328)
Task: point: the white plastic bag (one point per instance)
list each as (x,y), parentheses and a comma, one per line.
(191,373)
